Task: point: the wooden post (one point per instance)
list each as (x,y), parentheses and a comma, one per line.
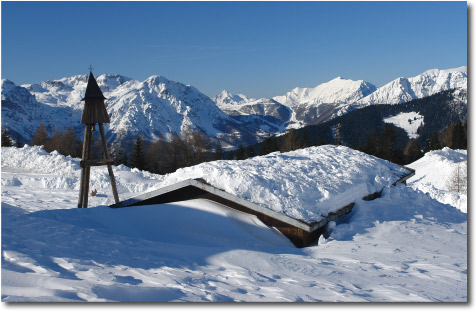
(87,168)
(109,166)
(85,171)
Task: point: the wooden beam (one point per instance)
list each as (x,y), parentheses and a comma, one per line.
(109,166)
(85,163)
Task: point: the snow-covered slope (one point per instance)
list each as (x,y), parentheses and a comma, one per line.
(434,175)
(52,251)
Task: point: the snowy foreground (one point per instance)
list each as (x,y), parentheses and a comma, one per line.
(404,246)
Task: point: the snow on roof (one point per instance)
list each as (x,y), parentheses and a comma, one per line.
(305,184)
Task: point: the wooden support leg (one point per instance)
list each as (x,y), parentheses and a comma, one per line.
(87,169)
(83,169)
(109,166)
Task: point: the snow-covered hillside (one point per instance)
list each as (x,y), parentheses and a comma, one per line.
(434,174)
(404,246)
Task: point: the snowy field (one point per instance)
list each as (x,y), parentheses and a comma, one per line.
(404,246)
(409,121)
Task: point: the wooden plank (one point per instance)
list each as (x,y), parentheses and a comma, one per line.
(109,166)
(85,163)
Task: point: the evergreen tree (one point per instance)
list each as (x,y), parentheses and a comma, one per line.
(137,157)
(448,136)
(249,152)
(304,140)
(18,142)
(387,148)
(322,141)
(240,152)
(433,143)
(269,145)
(412,151)
(218,152)
(370,146)
(458,139)
(118,157)
(154,155)
(40,137)
(7,140)
(290,142)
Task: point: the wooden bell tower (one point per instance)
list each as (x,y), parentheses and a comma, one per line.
(94,112)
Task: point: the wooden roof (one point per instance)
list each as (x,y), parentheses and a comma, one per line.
(92,90)
(94,108)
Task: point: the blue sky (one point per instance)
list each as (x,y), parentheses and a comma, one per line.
(260,49)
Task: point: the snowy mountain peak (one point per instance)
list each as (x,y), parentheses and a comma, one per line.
(227,98)
(428,83)
(338,90)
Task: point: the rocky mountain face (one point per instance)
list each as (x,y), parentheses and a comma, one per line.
(160,107)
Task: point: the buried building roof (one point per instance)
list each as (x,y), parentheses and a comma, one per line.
(303,188)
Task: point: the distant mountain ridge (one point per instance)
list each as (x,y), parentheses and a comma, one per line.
(158,106)
(339,96)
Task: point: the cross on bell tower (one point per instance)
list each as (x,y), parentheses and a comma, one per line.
(94,112)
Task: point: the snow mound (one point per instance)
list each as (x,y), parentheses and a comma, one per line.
(433,172)
(35,159)
(305,184)
(58,174)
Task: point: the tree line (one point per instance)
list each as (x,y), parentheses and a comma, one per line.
(164,156)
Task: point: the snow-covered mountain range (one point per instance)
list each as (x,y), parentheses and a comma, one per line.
(154,107)
(339,96)
(160,107)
